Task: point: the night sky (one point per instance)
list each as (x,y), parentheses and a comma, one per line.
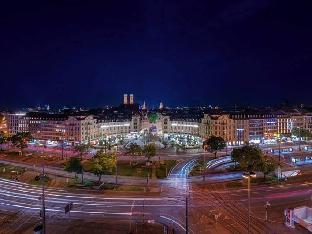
(88,53)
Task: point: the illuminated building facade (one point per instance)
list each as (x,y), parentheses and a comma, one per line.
(80,129)
(308,121)
(16,122)
(236,127)
(3,124)
(117,127)
(46,126)
(233,128)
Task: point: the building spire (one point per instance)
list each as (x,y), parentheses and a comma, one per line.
(161,105)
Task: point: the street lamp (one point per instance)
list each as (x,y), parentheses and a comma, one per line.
(204,169)
(43,210)
(279,151)
(299,138)
(279,158)
(62,147)
(248,175)
(116,166)
(186,215)
(267,205)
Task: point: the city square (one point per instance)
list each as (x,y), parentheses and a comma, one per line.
(143,117)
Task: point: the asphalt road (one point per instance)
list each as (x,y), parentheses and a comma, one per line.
(211,209)
(20,196)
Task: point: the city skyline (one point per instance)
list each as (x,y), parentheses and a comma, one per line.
(151,106)
(155,116)
(242,52)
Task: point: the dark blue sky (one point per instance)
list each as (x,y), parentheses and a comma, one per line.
(88,53)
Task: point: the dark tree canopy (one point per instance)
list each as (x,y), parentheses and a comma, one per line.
(247,156)
(149,151)
(302,133)
(214,144)
(104,144)
(73,164)
(134,149)
(82,149)
(20,140)
(266,165)
(102,163)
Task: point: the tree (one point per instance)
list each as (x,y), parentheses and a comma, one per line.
(180,147)
(285,135)
(214,144)
(134,150)
(20,140)
(152,117)
(236,155)
(165,143)
(266,165)
(301,133)
(97,168)
(102,163)
(247,156)
(73,164)
(82,149)
(149,151)
(3,139)
(105,145)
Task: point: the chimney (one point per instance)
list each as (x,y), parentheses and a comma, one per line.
(125,99)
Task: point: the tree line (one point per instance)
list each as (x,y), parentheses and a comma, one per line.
(247,157)
(104,161)
(19,140)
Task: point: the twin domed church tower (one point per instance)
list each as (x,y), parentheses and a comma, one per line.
(129,100)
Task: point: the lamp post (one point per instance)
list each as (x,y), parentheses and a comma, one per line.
(204,169)
(204,163)
(116,166)
(299,138)
(186,215)
(279,151)
(116,172)
(248,175)
(43,201)
(62,148)
(187,193)
(267,205)
(279,159)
